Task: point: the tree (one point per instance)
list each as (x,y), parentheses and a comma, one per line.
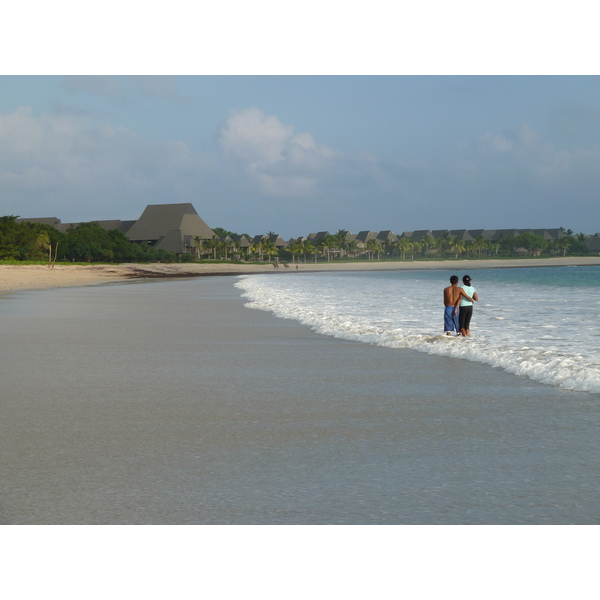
(212,245)
(198,245)
(404,245)
(479,244)
(352,247)
(373,246)
(269,248)
(329,244)
(532,242)
(43,241)
(442,242)
(429,242)
(340,237)
(296,249)
(457,246)
(222,233)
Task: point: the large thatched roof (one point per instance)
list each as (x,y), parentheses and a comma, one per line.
(158,220)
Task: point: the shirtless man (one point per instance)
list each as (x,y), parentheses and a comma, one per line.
(452,297)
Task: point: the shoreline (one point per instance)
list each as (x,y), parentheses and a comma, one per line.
(15,278)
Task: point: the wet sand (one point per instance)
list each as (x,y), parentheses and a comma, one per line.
(31,277)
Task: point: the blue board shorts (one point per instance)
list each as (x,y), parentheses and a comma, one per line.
(450,319)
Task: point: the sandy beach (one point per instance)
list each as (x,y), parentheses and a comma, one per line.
(31,277)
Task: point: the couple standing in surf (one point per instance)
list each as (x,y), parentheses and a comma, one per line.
(458,306)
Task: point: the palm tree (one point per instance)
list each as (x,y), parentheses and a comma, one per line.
(330,243)
(197,245)
(416,247)
(563,244)
(43,241)
(352,246)
(212,244)
(340,237)
(261,248)
(404,245)
(480,244)
(296,249)
(254,251)
(373,246)
(429,242)
(225,245)
(310,248)
(443,242)
(457,246)
(236,249)
(269,248)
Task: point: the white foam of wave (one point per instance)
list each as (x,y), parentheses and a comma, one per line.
(386,313)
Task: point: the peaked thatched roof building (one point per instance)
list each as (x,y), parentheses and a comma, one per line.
(171,227)
(365,236)
(387,236)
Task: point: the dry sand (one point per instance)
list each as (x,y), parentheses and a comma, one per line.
(32,277)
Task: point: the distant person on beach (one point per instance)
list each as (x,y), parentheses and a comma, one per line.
(452,297)
(466,306)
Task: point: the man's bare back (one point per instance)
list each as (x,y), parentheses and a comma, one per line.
(453,294)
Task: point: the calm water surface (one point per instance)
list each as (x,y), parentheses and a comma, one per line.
(170,402)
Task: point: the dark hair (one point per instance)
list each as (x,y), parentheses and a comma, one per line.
(467,280)
(454,279)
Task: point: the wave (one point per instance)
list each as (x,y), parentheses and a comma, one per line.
(548,359)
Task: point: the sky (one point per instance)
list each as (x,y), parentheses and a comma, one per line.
(257,150)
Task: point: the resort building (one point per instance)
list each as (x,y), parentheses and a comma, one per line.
(365,236)
(171,227)
(462,234)
(387,236)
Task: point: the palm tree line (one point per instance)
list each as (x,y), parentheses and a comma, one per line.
(225,248)
(340,246)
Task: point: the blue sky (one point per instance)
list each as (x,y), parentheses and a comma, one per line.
(297,154)
(425,141)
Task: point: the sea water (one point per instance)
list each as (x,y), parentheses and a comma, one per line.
(541,323)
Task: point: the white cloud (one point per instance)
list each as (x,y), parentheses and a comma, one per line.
(496,143)
(60,159)
(522,155)
(269,154)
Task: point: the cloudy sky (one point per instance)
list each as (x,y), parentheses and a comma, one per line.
(302,153)
(297,154)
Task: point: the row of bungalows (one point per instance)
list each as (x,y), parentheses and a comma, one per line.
(419,235)
(489,235)
(245,242)
(465,235)
(388,236)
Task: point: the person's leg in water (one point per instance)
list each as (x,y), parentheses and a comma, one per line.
(465,320)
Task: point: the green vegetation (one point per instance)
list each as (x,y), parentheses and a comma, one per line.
(337,247)
(33,243)
(86,243)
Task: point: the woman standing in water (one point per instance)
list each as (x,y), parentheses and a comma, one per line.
(466,307)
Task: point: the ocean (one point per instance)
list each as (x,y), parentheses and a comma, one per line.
(541,323)
(177,402)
